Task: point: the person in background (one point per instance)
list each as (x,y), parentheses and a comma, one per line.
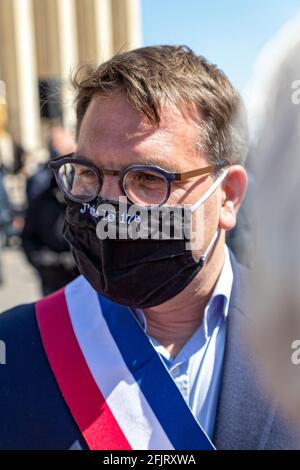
(42,238)
(275,216)
(5,218)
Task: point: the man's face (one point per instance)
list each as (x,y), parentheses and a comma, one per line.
(113,135)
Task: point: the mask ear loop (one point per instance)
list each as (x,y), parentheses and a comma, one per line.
(197,204)
(209,248)
(210,191)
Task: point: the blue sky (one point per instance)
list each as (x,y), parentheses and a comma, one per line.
(229,33)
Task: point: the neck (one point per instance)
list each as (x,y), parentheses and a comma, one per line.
(175,321)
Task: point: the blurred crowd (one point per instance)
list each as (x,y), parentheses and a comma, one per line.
(34,221)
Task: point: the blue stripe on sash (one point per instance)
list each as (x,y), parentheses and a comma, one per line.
(154,379)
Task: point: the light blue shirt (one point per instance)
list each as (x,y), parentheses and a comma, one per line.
(197,368)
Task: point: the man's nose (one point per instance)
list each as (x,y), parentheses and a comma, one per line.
(110,188)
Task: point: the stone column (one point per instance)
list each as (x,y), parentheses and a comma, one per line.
(56,34)
(68,58)
(106,27)
(126,24)
(18,71)
(86,29)
(104,33)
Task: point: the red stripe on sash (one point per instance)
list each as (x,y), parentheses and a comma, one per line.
(84,399)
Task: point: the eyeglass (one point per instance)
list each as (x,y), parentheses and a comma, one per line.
(81,180)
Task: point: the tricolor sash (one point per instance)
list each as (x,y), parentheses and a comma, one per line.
(115,384)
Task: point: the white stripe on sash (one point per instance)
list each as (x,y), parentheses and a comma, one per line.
(116,383)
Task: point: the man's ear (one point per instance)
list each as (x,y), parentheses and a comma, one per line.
(233,189)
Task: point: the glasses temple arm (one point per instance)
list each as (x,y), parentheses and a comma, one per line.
(202,171)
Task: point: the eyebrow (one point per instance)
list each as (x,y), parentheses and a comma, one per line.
(157,162)
(152,161)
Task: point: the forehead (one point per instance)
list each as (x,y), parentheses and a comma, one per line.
(112,130)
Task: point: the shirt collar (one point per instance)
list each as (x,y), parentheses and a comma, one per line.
(219,301)
(224,283)
(221,294)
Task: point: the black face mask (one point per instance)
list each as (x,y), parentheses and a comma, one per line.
(138,273)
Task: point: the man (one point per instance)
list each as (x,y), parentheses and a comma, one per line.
(145,351)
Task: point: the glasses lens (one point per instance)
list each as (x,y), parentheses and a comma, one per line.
(79,181)
(146,187)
